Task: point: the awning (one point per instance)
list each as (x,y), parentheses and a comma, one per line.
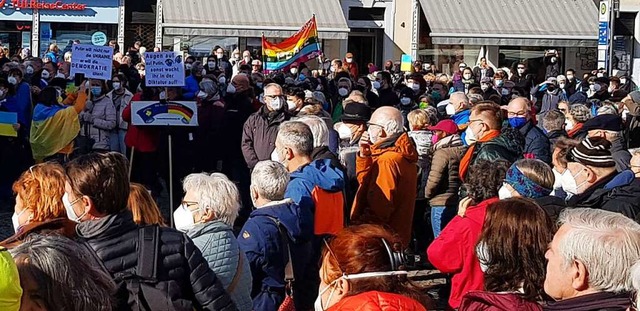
(553,23)
(251,18)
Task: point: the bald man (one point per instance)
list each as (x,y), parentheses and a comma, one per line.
(460,106)
(536,142)
(387,173)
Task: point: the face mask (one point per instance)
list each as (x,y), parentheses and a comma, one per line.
(568,125)
(275,156)
(96,91)
(116,85)
(15,220)
(344,131)
(259,84)
(293,70)
(434,139)
(332,69)
(415,87)
(12,80)
(484,87)
(301,77)
(467,76)
(211,65)
(610,89)
(45,75)
(373,138)
(276,104)
(183,218)
(405,101)
(376,85)
(29,70)
(622,81)
(470,136)
(343,92)
(202,95)
(220,55)
(562,85)
(436,96)
(600,75)
(349,60)
(188,66)
(517,122)
(450,109)
(570,77)
(499,83)
(247,59)
(222,80)
(504,193)
(231,89)
(291,105)
(410,85)
(568,182)
(60,75)
(520,71)
(483,256)
(68,206)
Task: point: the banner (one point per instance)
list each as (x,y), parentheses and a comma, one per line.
(96,62)
(181,113)
(164,69)
(301,47)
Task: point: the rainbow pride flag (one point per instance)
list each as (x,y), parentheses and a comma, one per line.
(301,47)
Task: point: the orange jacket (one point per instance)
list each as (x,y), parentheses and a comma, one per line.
(388,184)
(377,301)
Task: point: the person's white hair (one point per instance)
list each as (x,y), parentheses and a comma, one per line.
(393,123)
(297,136)
(67,56)
(270,180)
(215,192)
(607,243)
(318,129)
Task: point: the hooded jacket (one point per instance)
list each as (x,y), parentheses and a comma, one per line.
(454,252)
(377,301)
(444,181)
(487,301)
(259,135)
(261,242)
(619,195)
(388,185)
(220,248)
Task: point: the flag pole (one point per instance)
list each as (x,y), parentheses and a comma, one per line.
(264,58)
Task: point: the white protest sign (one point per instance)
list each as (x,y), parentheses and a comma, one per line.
(180,113)
(164,69)
(92,60)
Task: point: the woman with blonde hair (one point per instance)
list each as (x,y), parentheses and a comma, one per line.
(40,204)
(144,209)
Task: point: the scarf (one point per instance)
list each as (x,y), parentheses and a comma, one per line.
(466,160)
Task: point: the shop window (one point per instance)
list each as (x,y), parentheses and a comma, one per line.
(447,58)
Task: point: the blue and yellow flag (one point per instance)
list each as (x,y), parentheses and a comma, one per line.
(52,129)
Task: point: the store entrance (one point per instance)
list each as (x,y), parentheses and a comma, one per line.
(365,47)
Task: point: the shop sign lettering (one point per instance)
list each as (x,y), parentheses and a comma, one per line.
(43,5)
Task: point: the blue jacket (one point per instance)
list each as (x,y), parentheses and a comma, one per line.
(220,249)
(317,173)
(260,240)
(461,117)
(536,142)
(191,88)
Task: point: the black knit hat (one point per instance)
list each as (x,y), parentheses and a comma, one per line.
(594,151)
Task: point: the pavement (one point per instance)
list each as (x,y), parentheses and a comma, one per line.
(6,211)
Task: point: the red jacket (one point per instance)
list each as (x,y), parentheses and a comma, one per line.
(454,251)
(486,301)
(377,301)
(143,138)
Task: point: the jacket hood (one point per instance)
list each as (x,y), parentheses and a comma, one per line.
(322,174)
(477,300)
(297,221)
(401,144)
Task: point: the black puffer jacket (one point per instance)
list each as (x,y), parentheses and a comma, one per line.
(182,271)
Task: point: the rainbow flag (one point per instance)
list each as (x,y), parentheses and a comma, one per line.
(301,47)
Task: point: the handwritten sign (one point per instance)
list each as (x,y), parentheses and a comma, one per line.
(92,60)
(7,120)
(164,69)
(99,38)
(145,113)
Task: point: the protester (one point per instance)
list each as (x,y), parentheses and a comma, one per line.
(459,109)
(96,193)
(265,245)
(589,261)
(208,211)
(554,125)
(387,173)
(591,167)
(423,139)
(453,251)
(350,130)
(578,115)
(57,273)
(121,97)
(511,248)
(610,127)
(483,70)
(99,117)
(536,142)
(144,209)
(386,95)
(350,66)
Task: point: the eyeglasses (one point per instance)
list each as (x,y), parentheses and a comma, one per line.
(188,204)
(371,123)
(272,97)
(520,67)
(517,114)
(563,110)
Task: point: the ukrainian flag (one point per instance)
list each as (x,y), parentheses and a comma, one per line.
(53,128)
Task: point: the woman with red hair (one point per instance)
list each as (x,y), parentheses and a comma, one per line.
(362,270)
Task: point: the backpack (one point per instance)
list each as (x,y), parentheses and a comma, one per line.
(137,290)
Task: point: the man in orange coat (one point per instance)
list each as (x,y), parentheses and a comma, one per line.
(387,171)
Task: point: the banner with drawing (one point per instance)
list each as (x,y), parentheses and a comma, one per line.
(148,113)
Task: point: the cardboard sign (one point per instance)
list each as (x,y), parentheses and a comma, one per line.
(405,63)
(164,69)
(7,120)
(96,62)
(145,113)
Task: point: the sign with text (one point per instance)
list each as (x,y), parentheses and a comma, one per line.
(164,69)
(95,62)
(182,113)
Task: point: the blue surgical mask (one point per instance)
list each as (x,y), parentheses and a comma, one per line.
(517,122)
(96,91)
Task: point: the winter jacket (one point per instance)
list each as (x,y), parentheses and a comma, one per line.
(55,226)
(536,144)
(552,205)
(182,272)
(444,181)
(525,81)
(208,135)
(477,73)
(584,199)
(101,118)
(261,242)
(545,101)
(386,97)
(462,118)
(220,249)
(142,138)
(347,154)
(351,68)
(554,136)
(620,155)
(422,141)
(487,301)
(508,146)
(259,135)
(619,195)
(20,103)
(190,88)
(602,301)
(238,109)
(454,252)
(377,301)
(125,101)
(388,185)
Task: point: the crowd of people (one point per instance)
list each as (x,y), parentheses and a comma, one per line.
(319,190)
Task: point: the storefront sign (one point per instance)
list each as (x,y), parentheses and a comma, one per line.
(164,69)
(99,38)
(95,62)
(164,113)
(43,5)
